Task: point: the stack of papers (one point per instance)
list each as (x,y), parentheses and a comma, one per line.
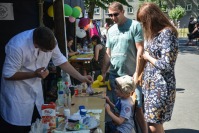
(94,111)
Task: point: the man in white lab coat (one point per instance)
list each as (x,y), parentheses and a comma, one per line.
(27,55)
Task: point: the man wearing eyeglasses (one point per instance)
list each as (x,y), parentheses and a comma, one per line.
(124,46)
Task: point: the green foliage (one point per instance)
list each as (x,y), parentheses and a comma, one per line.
(177,13)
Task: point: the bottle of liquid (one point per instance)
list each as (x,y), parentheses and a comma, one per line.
(85,48)
(61,98)
(68,96)
(60,86)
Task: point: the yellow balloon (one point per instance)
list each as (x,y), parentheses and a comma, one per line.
(95,84)
(79,8)
(99,78)
(51,11)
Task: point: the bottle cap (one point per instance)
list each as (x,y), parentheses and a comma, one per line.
(61,92)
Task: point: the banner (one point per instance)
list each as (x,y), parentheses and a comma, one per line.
(6,11)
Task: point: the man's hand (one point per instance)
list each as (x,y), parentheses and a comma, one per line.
(87,79)
(41,73)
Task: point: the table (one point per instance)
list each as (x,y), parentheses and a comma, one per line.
(81,57)
(82,61)
(92,102)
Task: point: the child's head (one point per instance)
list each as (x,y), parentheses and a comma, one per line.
(95,40)
(70,41)
(125,85)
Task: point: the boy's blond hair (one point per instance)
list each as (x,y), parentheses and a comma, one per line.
(126,84)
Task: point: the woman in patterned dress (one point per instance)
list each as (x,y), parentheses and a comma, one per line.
(161,50)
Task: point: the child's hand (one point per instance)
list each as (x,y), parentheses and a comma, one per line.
(107,99)
(107,107)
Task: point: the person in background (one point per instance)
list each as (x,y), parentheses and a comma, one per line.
(105,31)
(21,95)
(191,27)
(69,45)
(123,110)
(99,52)
(124,47)
(161,50)
(194,34)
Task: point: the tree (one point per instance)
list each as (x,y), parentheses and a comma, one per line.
(176,13)
(91,4)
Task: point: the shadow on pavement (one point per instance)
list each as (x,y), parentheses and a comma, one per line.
(180,90)
(189,49)
(181,131)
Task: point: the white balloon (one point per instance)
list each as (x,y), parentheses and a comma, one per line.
(80,33)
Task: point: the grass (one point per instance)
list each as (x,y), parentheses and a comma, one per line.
(182,32)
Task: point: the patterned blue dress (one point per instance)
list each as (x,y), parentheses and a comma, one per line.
(159,83)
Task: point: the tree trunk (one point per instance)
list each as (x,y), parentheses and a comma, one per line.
(91,9)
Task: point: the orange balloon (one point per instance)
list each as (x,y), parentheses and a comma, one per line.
(87,27)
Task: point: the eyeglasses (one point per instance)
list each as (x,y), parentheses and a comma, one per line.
(114,14)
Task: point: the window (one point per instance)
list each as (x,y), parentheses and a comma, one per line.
(130,10)
(188,7)
(106,11)
(97,10)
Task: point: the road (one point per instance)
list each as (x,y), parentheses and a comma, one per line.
(185,118)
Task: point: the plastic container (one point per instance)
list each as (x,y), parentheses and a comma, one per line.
(61,98)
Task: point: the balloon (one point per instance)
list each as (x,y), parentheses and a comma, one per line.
(79,8)
(75,13)
(87,27)
(51,11)
(91,24)
(71,19)
(93,31)
(83,22)
(67,10)
(80,33)
(100,78)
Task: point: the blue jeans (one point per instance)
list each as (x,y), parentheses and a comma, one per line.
(113,96)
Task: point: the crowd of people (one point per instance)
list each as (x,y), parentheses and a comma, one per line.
(151,37)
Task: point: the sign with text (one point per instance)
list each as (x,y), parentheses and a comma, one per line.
(6,11)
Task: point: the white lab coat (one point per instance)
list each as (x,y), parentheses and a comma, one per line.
(18,97)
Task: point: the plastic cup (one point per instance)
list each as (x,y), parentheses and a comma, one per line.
(83,112)
(81,107)
(76,92)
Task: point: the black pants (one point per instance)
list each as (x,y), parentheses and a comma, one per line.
(193,36)
(5,127)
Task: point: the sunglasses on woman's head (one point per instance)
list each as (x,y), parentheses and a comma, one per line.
(114,14)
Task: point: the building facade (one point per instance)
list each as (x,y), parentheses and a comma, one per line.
(191,7)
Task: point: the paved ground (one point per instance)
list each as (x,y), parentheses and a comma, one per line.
(185,117)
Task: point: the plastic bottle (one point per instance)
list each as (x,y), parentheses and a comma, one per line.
(60,86)
(61,98)
(85,48)
(68,95)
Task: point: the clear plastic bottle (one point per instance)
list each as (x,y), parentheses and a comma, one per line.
(68,96)
(60,86)
(85,47)
(61,98)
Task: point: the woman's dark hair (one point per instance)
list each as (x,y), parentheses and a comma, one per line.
(95,37)
(69,38)
(44,38)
